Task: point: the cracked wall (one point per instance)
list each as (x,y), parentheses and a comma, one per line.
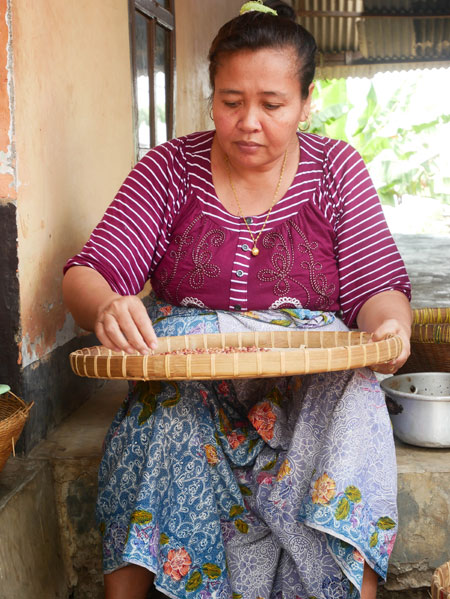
(74,146)
(7,153)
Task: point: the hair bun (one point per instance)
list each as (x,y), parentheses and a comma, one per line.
(283,9)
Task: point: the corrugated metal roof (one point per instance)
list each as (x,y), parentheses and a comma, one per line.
(362,37)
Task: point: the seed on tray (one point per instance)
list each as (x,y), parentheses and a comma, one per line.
(214,350)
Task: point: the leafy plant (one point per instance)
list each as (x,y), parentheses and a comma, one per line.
(402,159)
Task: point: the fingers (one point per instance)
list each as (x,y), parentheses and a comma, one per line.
(386,368)
(124,325)
(387,329)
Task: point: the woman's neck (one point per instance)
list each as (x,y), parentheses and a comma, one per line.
(254,187)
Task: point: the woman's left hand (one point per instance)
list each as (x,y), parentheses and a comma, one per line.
(383,315)
(387,329)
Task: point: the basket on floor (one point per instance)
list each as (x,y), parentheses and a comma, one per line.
(440,582)
(430,341)
(239,355)
(13,415)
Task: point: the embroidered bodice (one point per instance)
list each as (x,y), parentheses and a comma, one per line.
(326,244)
(209,264)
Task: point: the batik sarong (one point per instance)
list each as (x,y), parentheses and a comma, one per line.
(258,489)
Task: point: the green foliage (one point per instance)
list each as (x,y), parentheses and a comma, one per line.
(141,517)
(236,510)
(211,571)
(353,493)
(241,526)
(385,523)
(401,160)
(194,582)
(343,509)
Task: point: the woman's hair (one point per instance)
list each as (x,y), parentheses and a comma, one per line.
(283,9)
(256,30)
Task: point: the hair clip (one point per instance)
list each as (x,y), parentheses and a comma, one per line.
(258,6)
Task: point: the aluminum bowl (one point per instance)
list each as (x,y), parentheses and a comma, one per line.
(420,407)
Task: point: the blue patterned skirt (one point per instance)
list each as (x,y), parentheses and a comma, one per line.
(257,489)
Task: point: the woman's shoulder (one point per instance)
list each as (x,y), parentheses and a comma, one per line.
(191,144)
(327,150)
(180,153)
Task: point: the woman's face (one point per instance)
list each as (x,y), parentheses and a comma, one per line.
(257,105)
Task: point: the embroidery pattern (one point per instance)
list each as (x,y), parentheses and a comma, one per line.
(286,302)
(192,302)
(201,258)
(283,259)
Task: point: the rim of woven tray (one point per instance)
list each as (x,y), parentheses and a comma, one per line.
(291,352)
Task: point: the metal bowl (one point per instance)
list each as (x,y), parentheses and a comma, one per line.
(421,402)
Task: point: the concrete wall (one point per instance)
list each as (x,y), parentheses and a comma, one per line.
(74,145)
(7,187)
(31,563)
(66,143)
(9,287)
(195,30)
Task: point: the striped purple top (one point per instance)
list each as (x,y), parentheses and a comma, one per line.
(326,244)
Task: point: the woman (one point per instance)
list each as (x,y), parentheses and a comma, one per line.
(278,488)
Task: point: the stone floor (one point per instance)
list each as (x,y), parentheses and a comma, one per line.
(427,261)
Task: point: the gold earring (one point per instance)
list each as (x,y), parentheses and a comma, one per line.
(306,126)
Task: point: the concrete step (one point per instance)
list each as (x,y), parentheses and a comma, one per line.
(50,545)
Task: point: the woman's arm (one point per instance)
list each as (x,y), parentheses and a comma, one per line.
(120,322)
(387,313)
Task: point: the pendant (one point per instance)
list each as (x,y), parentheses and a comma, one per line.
(255,251)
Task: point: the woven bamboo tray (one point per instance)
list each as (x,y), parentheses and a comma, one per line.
(280,354)
(430,341)
(440,582)
(13,415)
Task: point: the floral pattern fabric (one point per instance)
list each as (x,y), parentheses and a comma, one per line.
(258,489)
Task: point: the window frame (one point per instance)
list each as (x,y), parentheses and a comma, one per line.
(156,15)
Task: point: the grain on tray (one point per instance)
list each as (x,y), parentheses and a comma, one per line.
(215,350)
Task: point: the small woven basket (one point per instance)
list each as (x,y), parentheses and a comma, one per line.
(440,582)
(430,341)
(13,415)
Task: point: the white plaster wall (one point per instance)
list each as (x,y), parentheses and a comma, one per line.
(197,22)
(74,142)
(7,170)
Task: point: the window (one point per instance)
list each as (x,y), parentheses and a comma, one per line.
(153,55)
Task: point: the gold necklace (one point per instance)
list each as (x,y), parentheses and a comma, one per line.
(255,250)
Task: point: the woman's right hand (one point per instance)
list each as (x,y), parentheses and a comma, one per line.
(122,323)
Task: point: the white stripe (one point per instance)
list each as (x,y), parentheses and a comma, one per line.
(239,282)
(379,231)
(390,286)
(117,249)
(372,280)
(362,256)
(123,288)
(150,216)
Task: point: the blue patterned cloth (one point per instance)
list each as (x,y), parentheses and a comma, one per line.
(256,489)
